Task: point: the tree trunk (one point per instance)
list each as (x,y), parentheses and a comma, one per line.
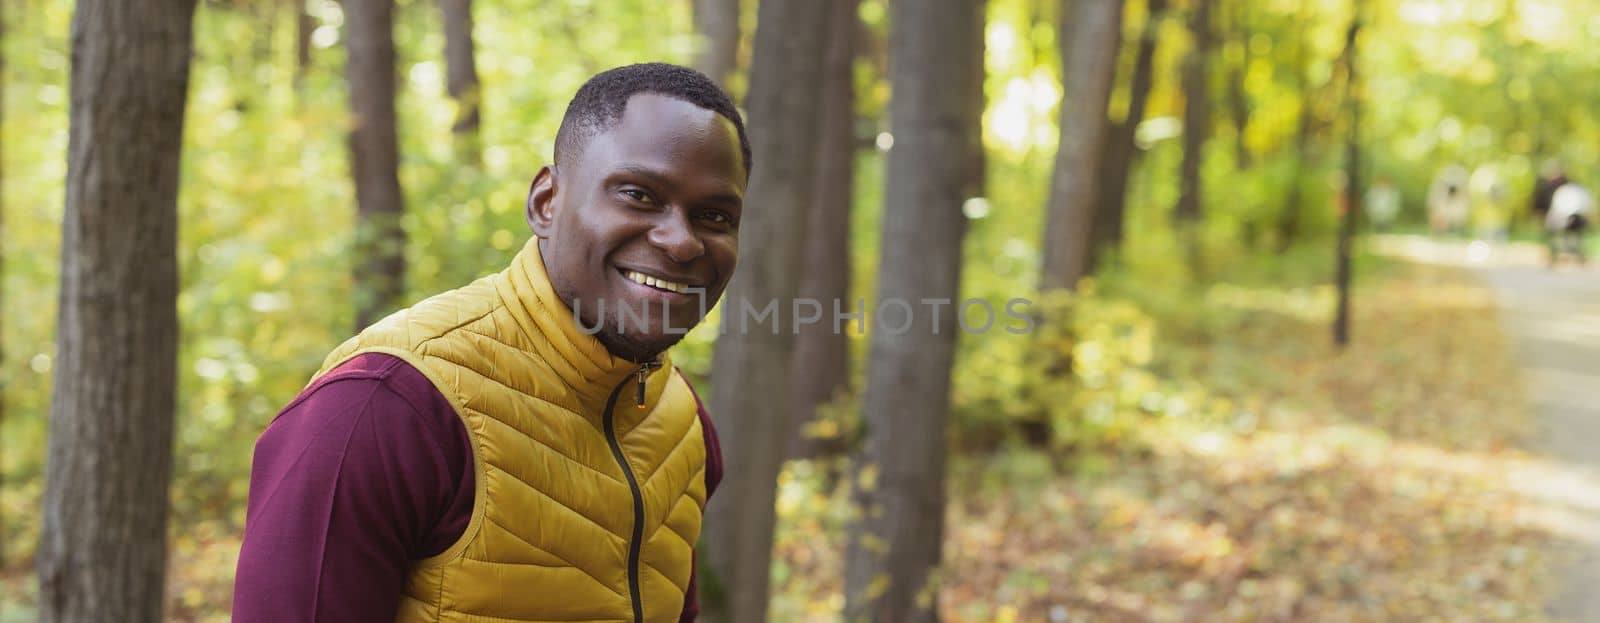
(1289,221)
(1196,114)
(3,376)
(1118,147)
(265,14)
(936,50)
(102,549)
(374,159)
(461,77)
(304,25)
(1352,170)
(1238,100)
(753,358)
(1091,33)
(1289,218)
(716,26)
(822,350)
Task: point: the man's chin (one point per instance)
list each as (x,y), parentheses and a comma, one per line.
(636,346)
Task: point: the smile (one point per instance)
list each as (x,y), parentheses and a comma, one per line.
(656,282)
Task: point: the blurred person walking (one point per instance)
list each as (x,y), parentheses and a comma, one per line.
(1383,204)
(1567,222)
(1551,177)
(1448,205)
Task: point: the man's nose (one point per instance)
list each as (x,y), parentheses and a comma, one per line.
(677,237)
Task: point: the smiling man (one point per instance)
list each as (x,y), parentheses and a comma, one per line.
(521,449)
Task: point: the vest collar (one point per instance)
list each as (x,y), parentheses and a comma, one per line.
(579,359)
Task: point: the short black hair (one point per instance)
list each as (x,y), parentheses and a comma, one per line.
(599,103)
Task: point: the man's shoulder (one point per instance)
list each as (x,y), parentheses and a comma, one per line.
(412,330)
(434,316)
(368,377)
(388,371)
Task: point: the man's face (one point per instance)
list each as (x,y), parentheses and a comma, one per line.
(644,220)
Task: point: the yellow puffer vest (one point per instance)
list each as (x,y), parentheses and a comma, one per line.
(588,505)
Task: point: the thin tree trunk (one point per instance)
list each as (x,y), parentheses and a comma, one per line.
(753,358)
(822,350)
(102,549)
(936,52)
(1289,218)
(1118,149)
(461,77)
(1289,221)
(716,25)
(304,25)
(1352,170)
(1091,33)
(3,376)
(1196,114)
(374,159)
(1238,100)
(265,14)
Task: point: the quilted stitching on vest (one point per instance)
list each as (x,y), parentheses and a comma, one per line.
(553,513)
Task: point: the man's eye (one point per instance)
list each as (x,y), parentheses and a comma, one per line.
(717,216)
(635,194)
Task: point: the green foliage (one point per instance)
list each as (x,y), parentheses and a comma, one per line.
(1081,379)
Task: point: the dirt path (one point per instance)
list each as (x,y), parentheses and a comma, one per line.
(1553,318)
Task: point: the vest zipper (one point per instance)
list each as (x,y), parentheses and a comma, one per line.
(635,542)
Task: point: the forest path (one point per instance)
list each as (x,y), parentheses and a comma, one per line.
(1553,320)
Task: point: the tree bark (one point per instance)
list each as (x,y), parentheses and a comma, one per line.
(822,350)
(1091,33)
(1196,114)
(1352,170)
(753,358)
(374,159)
(4,386)
(716,25)
(1118,150)
(102,549)
(304,25)
(461,77)
(1238,100)
(265,14)
(936,55)
(1289,218)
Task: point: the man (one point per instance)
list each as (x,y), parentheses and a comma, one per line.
(1551,177)
(1448,205)
(507,451)
(1567,221)
(1383,204)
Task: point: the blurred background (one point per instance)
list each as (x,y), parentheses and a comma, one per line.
(1183,439)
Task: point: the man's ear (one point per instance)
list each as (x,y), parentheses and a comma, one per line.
(541,207)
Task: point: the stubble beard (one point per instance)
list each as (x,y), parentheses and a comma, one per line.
(630,344)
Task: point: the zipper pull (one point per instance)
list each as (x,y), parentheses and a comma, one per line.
(639,393)
(643,373)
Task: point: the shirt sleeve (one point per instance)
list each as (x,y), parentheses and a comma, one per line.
(691,599)
(355,479)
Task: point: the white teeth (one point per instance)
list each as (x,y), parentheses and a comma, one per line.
(660,284)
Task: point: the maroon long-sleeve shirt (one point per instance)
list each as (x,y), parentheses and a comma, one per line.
(366,471)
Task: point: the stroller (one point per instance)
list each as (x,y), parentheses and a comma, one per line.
(1572,208)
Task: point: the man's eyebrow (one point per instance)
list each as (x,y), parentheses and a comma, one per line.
(640,170)
(724,199)
(659,179)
